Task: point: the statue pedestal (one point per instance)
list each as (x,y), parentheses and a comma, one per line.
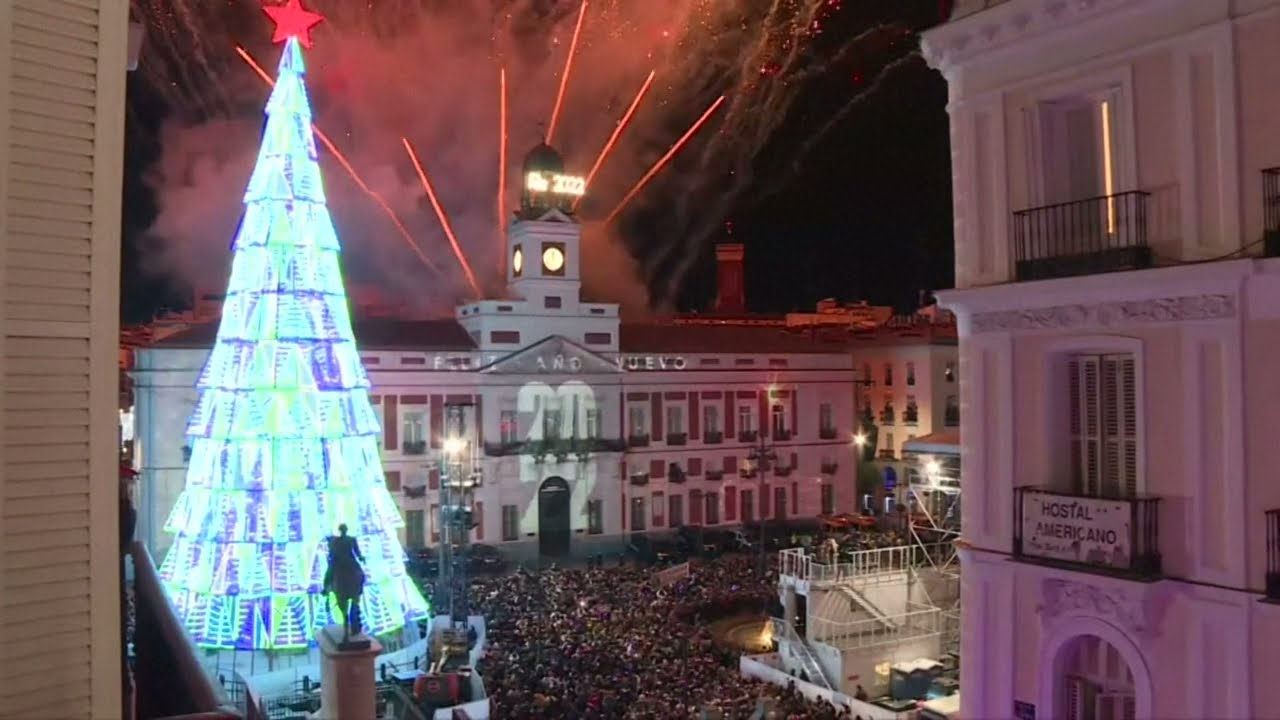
(347,684)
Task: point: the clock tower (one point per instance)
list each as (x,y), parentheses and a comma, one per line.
(544,237)
(544,280)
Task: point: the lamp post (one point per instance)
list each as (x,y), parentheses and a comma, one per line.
(457,489)
(760,459)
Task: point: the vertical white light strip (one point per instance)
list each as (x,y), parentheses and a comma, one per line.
(1108,177)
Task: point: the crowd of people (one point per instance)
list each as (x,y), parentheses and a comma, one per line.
(612,643)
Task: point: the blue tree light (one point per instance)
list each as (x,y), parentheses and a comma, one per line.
(284,440)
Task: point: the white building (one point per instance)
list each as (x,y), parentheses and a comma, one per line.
(1119,328)
(584,428)
(908,387)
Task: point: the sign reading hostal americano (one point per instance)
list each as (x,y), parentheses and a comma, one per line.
(1075,529)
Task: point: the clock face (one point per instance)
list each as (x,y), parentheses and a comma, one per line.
(553,259)
(517,261)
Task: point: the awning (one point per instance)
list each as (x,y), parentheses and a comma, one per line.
(939,443)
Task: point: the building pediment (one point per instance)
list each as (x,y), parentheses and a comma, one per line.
(554,215)
(555,355)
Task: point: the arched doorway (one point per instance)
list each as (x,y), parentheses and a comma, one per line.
(554,524)
(1093,681)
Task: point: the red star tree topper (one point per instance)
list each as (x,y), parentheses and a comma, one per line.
(293,20)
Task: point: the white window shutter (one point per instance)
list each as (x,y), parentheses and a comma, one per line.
(1120,425)
(1086,423)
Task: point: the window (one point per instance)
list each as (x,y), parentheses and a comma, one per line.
(745,499)
(888,447)
(911,373)
(675,419)
(595,517)
(710,420)
(746,419)
(951,415)
(551,423)
(638,420)
(510,523)
(1104,425)
(1099,683)
(415,526)
(889,504)
(712,515)
(1077,149)
(638,514)
(911,415)
(508,427)
(675,510)
(779,504)
(413,435)
(826,420)
(888,374)
(828,499)
(949,372)
(593,423)
(778,421)
(886,413)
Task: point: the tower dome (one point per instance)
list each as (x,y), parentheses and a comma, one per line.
(543,159)
(545,185)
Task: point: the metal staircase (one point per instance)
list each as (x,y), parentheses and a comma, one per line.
(868,607)
(798,648)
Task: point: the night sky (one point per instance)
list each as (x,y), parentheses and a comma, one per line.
(864,212)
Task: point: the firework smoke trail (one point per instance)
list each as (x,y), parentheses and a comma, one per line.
(771,75)
(564,75)
(617,132)
(502,170)
(444,218)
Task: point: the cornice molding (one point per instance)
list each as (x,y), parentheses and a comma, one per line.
(1007,24)
(1112,314)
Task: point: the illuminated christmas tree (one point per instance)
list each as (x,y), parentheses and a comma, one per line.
(284,441)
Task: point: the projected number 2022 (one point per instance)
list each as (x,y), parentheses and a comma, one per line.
(556,184)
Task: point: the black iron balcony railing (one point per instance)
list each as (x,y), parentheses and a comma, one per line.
(559,447)
(886,416)
(677,438)
(638,440)
(714,475)
(639,478)
(1271,211)
(1273,555)
(911,417)
(414,447)
(1115,535)
(748,436)
(951,417)
(781,434)
(1085,237)
(827,433)
(829,468)
(712,437)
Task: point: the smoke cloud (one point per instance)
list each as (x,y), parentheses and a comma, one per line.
(428,70)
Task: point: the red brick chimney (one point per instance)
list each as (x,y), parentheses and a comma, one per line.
(731,293)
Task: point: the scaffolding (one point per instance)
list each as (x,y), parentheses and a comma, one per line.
(459,477)
(933,485)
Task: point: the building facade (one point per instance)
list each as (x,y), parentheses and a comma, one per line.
(908,386)
(1117,303)
(62,83)
(582,428)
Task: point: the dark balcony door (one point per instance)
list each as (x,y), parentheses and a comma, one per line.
(1077,149)
(675,511)
(554,523)
(780,504)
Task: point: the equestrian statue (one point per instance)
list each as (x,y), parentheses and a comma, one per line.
(345,579)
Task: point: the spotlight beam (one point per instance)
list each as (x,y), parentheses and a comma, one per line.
(617,132)
(564,76)
(444,218)
(502,170)
(355,177)
(657,167)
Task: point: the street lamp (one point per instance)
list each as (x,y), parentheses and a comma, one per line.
(760,459)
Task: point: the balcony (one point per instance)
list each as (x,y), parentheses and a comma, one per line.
(748,436)
(639,479)
(1085,237)
(1271,211)
(638,440)
(677,438)
(1113,536)
(504,448)
(414,447)
(675,473)
(713,438)
(714,475)
(782,471)
(827,433)
(951,418)
(829,468)
(886,416)
(1273,556)
(781,435)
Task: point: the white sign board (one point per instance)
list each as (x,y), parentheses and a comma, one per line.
(1074,529)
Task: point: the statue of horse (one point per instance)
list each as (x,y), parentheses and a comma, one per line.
(345,579)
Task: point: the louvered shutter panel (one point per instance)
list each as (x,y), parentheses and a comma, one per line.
(1119,427)
(1129,425)
(1087,422)
(1128,708)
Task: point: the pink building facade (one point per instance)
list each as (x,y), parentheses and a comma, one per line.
(1116,223)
